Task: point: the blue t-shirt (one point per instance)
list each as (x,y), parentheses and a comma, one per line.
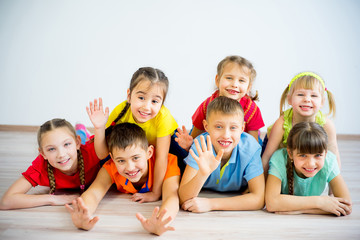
(312,186)
(243,165)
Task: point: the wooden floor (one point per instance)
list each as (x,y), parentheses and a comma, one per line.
(117,212)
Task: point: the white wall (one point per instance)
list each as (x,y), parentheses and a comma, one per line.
(56,56)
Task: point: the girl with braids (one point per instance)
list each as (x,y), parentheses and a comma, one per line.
(306,96)
(144,107)
(300,174)
(63,163)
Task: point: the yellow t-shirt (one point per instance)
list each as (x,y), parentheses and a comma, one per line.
(163,124)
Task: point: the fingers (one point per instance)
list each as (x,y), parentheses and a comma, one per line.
(141,218)
(155,212)
(194,155)
(69,208)
(203,143)
(184,130)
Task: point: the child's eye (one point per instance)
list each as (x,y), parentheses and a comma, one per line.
(121,161)
(302,155)
(319,155)
(135,158)
(229,78)
(67,144)
(217,126)
(155,101)
(51,149)
(300,94)
(141,98)
(234,128)
(242,80)
(314,95)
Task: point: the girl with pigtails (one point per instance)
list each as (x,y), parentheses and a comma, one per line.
(63,163)
(145,107)
(306,94)
(300,174)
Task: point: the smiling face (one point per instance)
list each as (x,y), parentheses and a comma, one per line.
(307,165)
(234,81)
(146,100)
(224,131)
(132,162)
(59,146)
(306,102)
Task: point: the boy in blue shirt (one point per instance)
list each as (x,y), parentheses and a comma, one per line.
(224,159)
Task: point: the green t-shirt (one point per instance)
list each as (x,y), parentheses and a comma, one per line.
(313,186)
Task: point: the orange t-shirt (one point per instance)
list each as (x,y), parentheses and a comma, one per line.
(125,186)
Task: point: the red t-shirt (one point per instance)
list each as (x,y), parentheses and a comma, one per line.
(37,173)
(125,186)
(252,115)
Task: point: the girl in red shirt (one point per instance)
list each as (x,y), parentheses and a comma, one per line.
(63,163)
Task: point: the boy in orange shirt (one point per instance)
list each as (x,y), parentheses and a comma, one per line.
(132,170)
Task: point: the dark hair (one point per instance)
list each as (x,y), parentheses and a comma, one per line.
(224,105)
(155,76)
(49,126)
(305,137)
(126,134)
(243,63)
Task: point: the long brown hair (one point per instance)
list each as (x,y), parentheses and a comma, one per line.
(49,126)
(305,137)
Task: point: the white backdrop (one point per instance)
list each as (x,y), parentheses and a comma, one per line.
(56,56)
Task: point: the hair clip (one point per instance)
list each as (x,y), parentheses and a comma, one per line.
(82,186)
(113,124)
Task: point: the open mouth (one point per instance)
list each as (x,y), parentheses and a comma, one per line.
(224,144)
(305,108)
(232,92)
(64,162)
(132,174)
(144,114)
(309,170)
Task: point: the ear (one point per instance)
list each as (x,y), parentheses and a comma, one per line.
(217,80)
(111,156)
(243,126)
(128,95)
(288,97)
(150,151)
(78,142)
(289,153)
(42,153)
(205,124)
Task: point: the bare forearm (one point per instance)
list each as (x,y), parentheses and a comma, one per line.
(285,203)
(20,200)
(159,174)
(192,188)
(249,201)
(100,145)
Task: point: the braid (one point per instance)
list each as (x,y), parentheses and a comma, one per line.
(51,178)
(290,175)
(82,170)
(122,113)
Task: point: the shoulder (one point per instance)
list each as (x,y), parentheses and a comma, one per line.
(277,164)
(248,145)
(120,107)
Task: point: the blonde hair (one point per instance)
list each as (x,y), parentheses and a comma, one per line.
(305,137)
(49,126)
(307,82)
(243,63)
(225,106)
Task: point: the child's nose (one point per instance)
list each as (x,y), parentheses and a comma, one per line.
(61,152)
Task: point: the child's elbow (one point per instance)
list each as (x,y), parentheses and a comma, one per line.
(271,205)
(6,203)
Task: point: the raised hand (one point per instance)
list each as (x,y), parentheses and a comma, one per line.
(96,114)
(197,205)
(183,138)
(145,197)
(334,205)
(206,160)
(80,215)
(156,223)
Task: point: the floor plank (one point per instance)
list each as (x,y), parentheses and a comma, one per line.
(117,212)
